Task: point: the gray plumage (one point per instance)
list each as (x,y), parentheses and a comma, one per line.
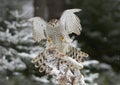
(57,31)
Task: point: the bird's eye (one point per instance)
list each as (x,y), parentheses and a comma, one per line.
(62,38)
(49,40)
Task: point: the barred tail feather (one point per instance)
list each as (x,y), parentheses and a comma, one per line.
(77,54)
(38,61)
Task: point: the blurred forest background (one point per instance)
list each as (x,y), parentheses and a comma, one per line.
(100,38)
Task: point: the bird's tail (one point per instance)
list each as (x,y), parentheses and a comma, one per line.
(76,54)
(49,56)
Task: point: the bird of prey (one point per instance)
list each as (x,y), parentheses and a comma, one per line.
(56,32)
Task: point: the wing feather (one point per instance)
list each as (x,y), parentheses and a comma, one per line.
(71,22)
(39,28)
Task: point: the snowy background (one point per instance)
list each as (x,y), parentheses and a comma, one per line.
(17,46)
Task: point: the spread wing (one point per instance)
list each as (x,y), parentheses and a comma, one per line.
(70,22)
(39,28)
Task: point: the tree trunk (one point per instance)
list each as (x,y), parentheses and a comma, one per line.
(48,9)
(40,8)
(55,8)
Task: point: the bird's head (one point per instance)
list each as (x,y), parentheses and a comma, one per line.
(53,22)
